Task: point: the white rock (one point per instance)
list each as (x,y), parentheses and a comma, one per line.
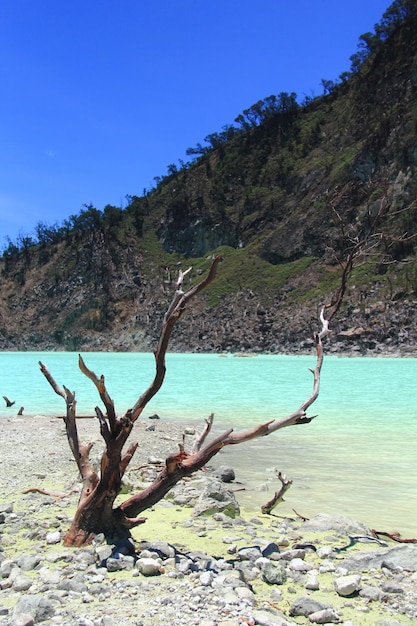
(206,578)
(246,595)
(149,567)
(53,537)
(312,582)
(298,565)
(325,552)
(326,616)
(327,566)
(347,585)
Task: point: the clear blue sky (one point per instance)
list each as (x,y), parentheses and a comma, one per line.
(99,96)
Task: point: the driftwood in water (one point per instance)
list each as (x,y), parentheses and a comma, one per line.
(279,495)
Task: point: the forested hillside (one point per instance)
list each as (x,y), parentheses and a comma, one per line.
(282,193)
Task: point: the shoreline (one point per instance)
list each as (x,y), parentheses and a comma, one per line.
(395,353)
(255,465)
(35,453)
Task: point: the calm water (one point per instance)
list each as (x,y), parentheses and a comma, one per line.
(358,457)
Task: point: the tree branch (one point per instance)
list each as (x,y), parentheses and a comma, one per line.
(174,312)
(279,495)
(80,452)
(101,388)
(69,419)
(200,438)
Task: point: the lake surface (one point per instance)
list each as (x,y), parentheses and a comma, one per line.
(357,458)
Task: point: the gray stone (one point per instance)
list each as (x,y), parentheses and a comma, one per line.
(127,561)
(230,579)
(163,549)
(6,567)
(271,617)
(5,583)
(327,566)
(185,565)
(347,585)
(274,574)
(22,583)
(245,595)
(289,555)
(312,582)
(6,507)
(76,583)
(24,619)
(49,576)
(249,554)
(28,562)
(229,596)
(224,473)
(206,578)
(305,606)
(391,587)
(104,552)
(400,556)
(248,570)
(216,498)
(114,565)
(325,552)
(339,523)
(35,605)
(99,539)
(85,558)
(371,592)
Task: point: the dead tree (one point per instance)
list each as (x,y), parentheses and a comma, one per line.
(96,512)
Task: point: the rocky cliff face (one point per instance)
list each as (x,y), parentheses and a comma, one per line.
(78,310)
(281,201)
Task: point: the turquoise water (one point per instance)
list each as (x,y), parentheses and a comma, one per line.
(357,457)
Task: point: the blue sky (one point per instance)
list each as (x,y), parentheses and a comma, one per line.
(99,97)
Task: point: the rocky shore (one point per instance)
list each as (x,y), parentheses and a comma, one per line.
(199,560)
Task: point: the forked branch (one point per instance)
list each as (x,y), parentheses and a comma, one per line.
(101,388)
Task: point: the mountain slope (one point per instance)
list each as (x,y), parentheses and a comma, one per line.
(279,198)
